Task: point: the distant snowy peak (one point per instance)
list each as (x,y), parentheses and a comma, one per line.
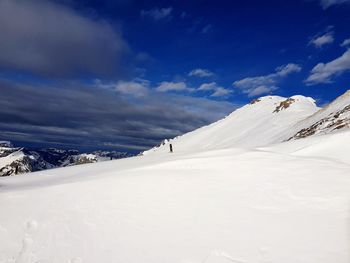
(82,159)
(17,160)
(5,144)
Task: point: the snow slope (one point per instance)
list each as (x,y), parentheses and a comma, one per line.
(333,117)
(256,124)
(232,205)
(215,200)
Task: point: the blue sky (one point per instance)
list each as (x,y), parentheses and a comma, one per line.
(126,74)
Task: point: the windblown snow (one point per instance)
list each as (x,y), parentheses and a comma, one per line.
(245,189)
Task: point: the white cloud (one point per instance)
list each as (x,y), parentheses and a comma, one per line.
(287,69)
(217,90)
(157,13)
(254,86)
(141,87)
(172,86)
(221,92)
(137,89)
(320,41)
(327,3)
(323,72)
(208,86)
(261,90)
(201,73)
(345,43)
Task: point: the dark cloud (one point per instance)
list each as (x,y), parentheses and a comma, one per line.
(99,117)
(52,40)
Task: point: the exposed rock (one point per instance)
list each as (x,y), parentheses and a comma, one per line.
(334,121)
(284,105)
(254,101)
(81,159)
(20,163)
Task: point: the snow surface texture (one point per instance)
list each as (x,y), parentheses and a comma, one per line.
(216,200)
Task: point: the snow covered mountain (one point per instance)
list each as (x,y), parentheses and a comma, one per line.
(18,160)
(269,183)
(15,160)
(262,122)
(265,121)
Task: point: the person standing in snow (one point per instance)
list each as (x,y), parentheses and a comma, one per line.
(171,147)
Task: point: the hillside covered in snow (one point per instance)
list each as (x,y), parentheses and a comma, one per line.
(265,121)
(268,183)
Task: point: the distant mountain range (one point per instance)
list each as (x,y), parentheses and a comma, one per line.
(18,160)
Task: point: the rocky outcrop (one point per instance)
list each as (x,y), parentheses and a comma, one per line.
(334,121)
(284,105)
(254,101)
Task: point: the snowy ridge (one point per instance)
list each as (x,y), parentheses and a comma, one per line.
(262,122)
